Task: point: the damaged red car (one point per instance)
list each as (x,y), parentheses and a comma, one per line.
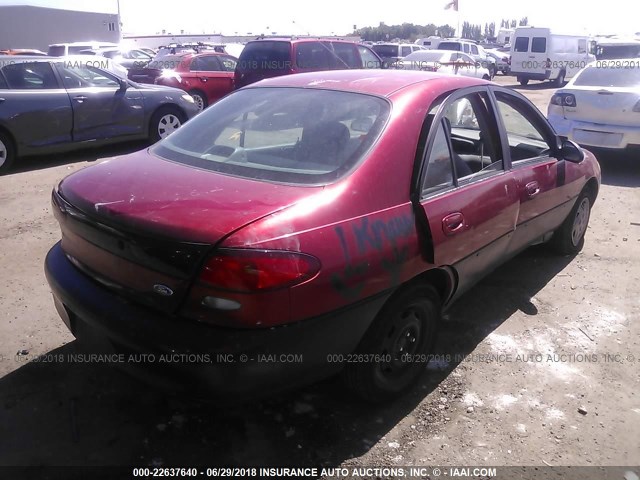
(312,224)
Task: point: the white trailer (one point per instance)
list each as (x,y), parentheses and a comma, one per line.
(429,43)
(543,54)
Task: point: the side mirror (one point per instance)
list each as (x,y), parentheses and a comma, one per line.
(123,84)
(571,152)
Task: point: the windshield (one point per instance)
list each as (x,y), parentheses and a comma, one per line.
(450,46)
(265,55)
(288,135)
(626,74)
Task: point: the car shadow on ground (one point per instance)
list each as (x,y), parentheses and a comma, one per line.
(531,86)
(40,162)
(84,414)
(620,169)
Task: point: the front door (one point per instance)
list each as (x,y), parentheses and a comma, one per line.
(101,109)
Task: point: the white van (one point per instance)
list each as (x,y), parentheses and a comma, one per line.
(74,48)
(429,43)
(541,54)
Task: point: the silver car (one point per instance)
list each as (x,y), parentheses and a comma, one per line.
(51,104)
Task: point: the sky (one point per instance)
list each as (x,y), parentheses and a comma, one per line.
(339,16)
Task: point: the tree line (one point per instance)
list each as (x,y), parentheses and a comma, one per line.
(410,32)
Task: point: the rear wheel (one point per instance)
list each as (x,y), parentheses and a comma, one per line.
(200,99)
(523,81)
(569,238)
(7,153)
(395,346)
(164,122)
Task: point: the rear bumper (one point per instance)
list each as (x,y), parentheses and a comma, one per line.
(185,355)
(532,76)
(595,134)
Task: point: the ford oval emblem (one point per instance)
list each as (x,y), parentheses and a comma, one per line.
(162,290)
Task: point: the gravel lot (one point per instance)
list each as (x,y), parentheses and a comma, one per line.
(565,389)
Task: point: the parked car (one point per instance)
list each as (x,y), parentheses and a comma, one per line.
(261,247)
(392,52)
(546,54)
(429,43)
(600,106)
(74,48)
(503,61)
(207,77)
(274,57)
(49,105)
(155,68)
(23,52)
(454,63)
(474,50)
(131,58)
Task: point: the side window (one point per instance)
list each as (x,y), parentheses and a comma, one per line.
(205,64)
(405,51)
(313,55)
(582,45)
(76,76)
(521,45)
(369,59)
(228,63)
(3,82)
(466,48)
(538,45)
(30,76)
(346,55)
(473,135)
(526,136)
(439,172)
(474,50)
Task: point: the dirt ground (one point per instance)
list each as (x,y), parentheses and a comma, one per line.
(540,364)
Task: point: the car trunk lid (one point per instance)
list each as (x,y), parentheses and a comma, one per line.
(142,226)
(606,105)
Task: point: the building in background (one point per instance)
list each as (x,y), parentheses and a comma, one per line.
(24,26)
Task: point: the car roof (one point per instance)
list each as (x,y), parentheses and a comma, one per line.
(300,40)
(374,82)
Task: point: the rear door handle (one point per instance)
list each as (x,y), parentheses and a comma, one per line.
(453,223)
(1,100)
(533,189)
(204,79)
(80,98)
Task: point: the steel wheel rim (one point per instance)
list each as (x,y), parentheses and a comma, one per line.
(580,221)
(401,342)
(3,153)
(168,124)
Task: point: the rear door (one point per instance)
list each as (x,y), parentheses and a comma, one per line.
(101,109)
(208,74)
(34,107)
(468,197)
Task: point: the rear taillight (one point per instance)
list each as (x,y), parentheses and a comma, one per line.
(636,107)
(247,270)
(564,99)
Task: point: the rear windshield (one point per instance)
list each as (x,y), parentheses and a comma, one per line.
(56,51)
(521,45)
(450,46)
(386,50)
(288,135)
(538,45)
(610,74)
(265,55)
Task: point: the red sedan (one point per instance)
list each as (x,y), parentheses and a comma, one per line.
(312,223)
(207,77)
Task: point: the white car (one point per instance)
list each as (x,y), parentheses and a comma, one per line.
(600,106)
(443,61)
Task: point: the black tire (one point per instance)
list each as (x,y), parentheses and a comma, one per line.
(523,81)
(7,153)
(200,99)
(569,238)
(559,81)
(161,118)
(404,328)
